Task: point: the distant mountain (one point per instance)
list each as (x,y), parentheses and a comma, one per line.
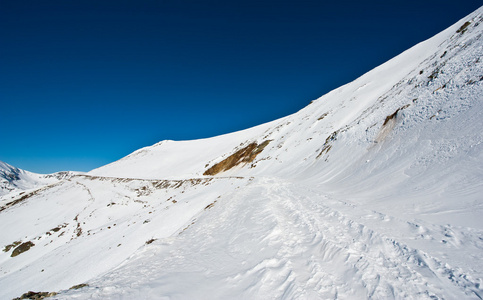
(373,191)
(13,179)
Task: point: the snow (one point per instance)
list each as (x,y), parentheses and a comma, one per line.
(176,160)
(373,191)
(13,179)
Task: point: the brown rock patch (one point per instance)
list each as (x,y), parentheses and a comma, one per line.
(243,156)
(22,248)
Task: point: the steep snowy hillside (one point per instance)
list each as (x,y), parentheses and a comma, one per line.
(374,190)
(13,179)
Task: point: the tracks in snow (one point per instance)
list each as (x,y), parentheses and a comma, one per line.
(329,254)
(274,239)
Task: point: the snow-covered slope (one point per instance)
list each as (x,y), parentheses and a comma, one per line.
(372,191)
(13,179)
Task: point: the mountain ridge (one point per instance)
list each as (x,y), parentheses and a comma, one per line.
(387,71)
(13,179)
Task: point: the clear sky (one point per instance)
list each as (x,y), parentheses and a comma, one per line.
(84,83)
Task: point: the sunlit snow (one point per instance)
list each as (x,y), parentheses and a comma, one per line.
(374,190)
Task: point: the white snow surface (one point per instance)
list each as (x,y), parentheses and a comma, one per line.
(373,191)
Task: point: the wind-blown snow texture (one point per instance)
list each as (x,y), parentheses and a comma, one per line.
(372,191)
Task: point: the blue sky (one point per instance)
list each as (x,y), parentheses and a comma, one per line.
(84,83)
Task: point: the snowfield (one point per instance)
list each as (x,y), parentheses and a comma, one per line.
(373,191)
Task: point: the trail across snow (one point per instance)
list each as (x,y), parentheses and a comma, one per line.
(275,239)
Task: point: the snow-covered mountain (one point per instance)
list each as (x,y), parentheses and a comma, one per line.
(374,190)
(13,179)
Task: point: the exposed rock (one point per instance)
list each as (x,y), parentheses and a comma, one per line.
(22,248)
(12,245)
(36,295)
(78,286)
(243,156)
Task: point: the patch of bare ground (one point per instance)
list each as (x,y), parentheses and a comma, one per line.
(327,145)
(42,295)
(464,27)
(78,286)
(56,229)
(24,197)
(243,156)
(210,205)
(184,229)
(150,241)
(12,245)
(323,116)
(22,248)
(78,230)
(36,295)
(388,124)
